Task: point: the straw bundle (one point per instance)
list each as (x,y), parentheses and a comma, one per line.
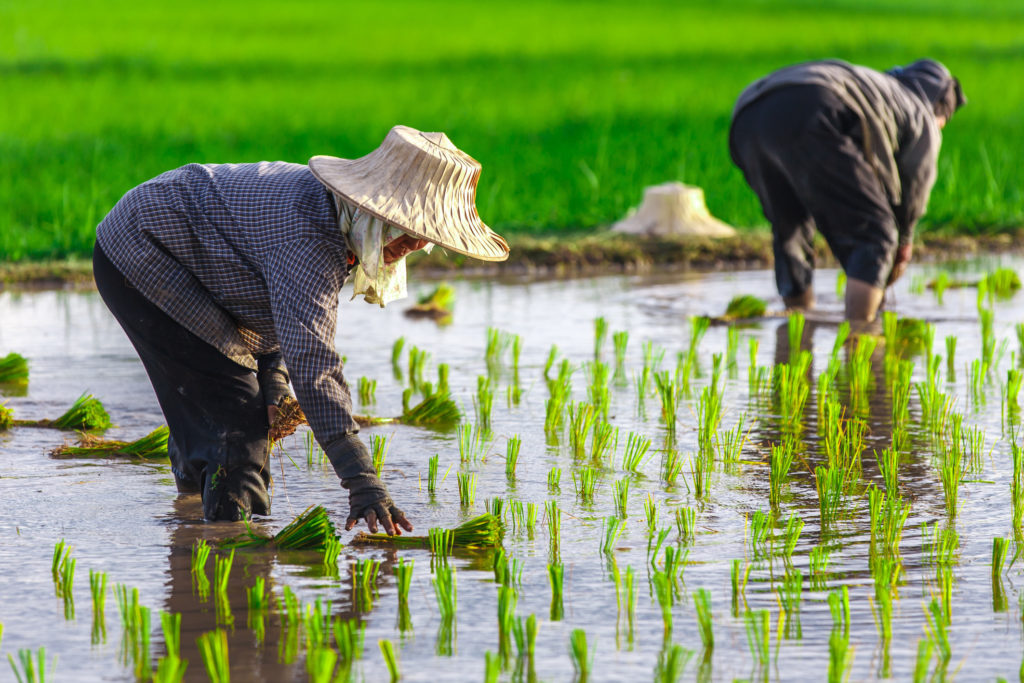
(150,447)
(482,532)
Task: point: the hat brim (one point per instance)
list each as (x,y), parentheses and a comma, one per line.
(449,222)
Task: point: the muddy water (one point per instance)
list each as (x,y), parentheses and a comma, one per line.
(125,519)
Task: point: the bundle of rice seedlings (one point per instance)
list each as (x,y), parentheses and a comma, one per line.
(6,417)
(436,410)
(14,370)
(436,305)
(312,530)
(289,417)
(150,447)
(86,415)
(745,306)
(481,532)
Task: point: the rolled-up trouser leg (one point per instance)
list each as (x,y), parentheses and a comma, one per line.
(213,406)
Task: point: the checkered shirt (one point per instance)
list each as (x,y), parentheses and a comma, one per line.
(249,258)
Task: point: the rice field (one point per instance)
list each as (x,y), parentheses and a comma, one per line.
(680,499)
(572,108)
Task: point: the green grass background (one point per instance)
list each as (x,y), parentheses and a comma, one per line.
(571,107)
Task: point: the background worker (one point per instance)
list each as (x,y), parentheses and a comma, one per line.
(226,277)
(850,151)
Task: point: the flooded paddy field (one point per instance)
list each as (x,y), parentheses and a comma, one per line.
(752,540)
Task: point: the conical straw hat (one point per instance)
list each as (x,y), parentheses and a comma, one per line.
(420,183)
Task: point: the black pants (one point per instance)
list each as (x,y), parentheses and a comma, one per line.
(800,150)
(213,406)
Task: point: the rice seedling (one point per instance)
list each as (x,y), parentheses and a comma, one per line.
(839,606)
(582,656)
(791,390)
(484,402)
(937,629)
(257,599)
(495,507)
(213,647)
(65,584)
(881,608)
(14,370)
(709,415)
(672,467)
(585,482)
(467,488)
(507,598)
(621,341)
(621,498)
(669,396)
(200,582)
(925,646)
(396,356)
(840,656)
(701,466)
(888,516)
(1002,282)
(759,529)
(170,670)
(61,552)
(348,639)
(637,447)
(437,304)
(650,514)
(525,633)
(999,548)
(507,571)
(512,456)
(311,530)
(556,577)
(830,482)
(387,650)
(320,663)
(170,623)
(941,544)
(791,535)
(790,597)
(654,544)
(780,462)
(33,665)
(367,391)
(492,667)
(441,542)
(364,582)
(378,451)
(98,590)
(498,344)
(758,637)
(664,592)
(581,422)
(745,306)
(481,532)
(686,523)
(554,479)
(951,474)
(612,530)
(702,603)
(738,581)
(600,334)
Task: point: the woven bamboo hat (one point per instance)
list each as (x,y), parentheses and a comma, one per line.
(420,183)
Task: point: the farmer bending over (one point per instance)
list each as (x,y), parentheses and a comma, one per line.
(226,277)
(851,151)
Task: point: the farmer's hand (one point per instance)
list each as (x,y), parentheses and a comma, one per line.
(899,266)
(368,499)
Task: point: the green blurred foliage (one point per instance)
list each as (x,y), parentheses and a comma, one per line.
(572,107)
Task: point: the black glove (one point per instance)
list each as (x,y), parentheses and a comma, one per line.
(368,498)
(367,495)
(273,378)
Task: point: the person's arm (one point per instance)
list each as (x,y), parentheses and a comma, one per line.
(272,375)
(304,282)
(916,160)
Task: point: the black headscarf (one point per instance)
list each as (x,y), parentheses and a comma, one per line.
(932,82)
